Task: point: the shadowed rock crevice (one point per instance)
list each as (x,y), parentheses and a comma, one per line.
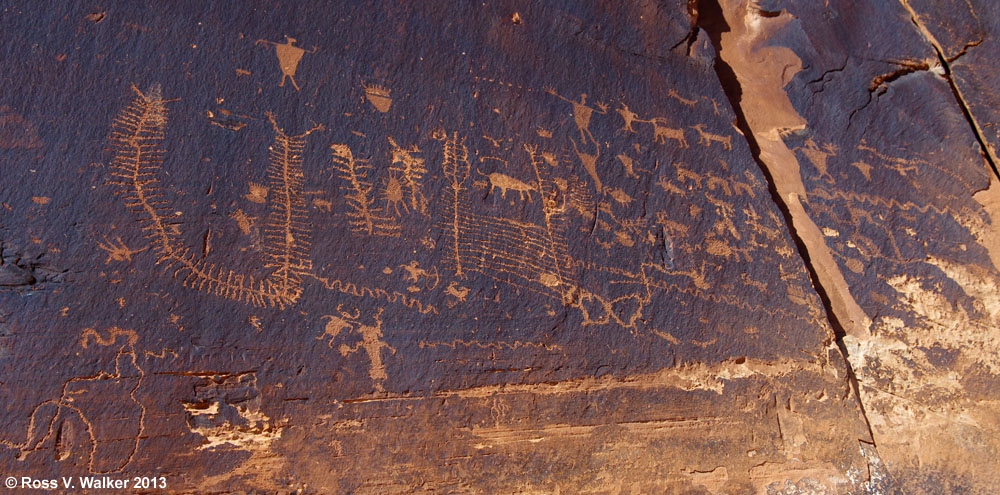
(710,18)
(959,99)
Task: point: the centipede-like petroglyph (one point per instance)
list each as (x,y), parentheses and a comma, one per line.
(136,141)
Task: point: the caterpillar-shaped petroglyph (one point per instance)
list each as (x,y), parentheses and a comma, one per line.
(136,141)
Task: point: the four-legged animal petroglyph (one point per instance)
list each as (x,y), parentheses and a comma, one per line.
(661,133)
(505,183)
(526,250)
(706,138)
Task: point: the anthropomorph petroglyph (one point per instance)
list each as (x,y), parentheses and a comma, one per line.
(589,163)
(289,56)
(581,113)
(628,116)
(371,340)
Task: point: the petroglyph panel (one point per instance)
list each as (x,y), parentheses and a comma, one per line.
(898,179)
(531,248)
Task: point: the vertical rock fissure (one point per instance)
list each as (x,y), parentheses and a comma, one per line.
(955,91)
(709,18)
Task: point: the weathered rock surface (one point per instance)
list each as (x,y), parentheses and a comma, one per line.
(687,247)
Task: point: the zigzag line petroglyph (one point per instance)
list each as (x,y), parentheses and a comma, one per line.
(136,140)
(454,343)
(376,293)
(828,194)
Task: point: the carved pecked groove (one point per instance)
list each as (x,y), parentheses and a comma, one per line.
(136,140)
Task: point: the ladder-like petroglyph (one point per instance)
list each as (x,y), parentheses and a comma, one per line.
(136,141)
(286,233)
(522,254)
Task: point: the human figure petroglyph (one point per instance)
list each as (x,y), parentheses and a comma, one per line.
(414,273)
(392,194)
(581,113)
(371,339)
(706,138)
(628,116)
(289,56)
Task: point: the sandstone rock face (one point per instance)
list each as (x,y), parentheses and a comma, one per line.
(520,247)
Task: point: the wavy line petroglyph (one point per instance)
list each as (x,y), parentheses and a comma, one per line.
(50,424)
